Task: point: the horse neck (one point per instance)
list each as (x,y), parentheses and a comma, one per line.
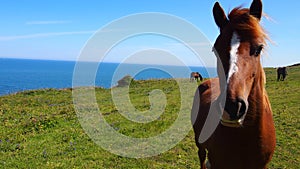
(260,117)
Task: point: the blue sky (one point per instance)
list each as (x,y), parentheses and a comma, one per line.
(59,29)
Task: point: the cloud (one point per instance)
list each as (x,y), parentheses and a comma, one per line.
(50,34)
(46,22)
(41,35)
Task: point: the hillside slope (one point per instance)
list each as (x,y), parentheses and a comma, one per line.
(40,128)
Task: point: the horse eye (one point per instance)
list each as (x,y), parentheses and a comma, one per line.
(256,50)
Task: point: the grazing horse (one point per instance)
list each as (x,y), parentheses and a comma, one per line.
(243,136)
(196,76)
(281,73)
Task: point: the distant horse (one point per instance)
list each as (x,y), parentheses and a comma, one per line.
(244,134)
(281,73)
(196,76)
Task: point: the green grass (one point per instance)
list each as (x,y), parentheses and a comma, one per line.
(285,100)
(40,129)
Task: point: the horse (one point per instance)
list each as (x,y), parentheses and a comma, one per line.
(281,73)
(196,76)
(231,115)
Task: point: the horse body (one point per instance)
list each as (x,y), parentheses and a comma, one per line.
(244,137)
(247,147)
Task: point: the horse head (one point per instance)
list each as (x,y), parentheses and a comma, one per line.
(238,48)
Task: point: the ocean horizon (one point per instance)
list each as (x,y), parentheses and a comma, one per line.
(18,75)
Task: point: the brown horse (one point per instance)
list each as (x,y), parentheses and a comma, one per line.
(231,115)
(196,76)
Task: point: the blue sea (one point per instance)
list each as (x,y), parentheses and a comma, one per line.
(23,74)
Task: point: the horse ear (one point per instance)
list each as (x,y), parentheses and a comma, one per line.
(256,9)
(219,15)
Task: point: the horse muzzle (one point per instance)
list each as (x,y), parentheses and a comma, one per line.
(234,112)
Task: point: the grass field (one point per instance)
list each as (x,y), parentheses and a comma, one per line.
(40,129)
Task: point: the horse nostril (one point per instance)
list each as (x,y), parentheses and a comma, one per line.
(242,107)
(236,109)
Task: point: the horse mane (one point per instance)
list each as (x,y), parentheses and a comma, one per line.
(247,26)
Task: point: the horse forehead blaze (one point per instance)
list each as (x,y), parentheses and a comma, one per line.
(233,66)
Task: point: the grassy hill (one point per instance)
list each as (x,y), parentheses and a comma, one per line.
(40,129)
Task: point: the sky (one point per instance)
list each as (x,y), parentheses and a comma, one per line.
(60,29)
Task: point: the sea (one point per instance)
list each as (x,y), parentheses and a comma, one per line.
(18,75)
